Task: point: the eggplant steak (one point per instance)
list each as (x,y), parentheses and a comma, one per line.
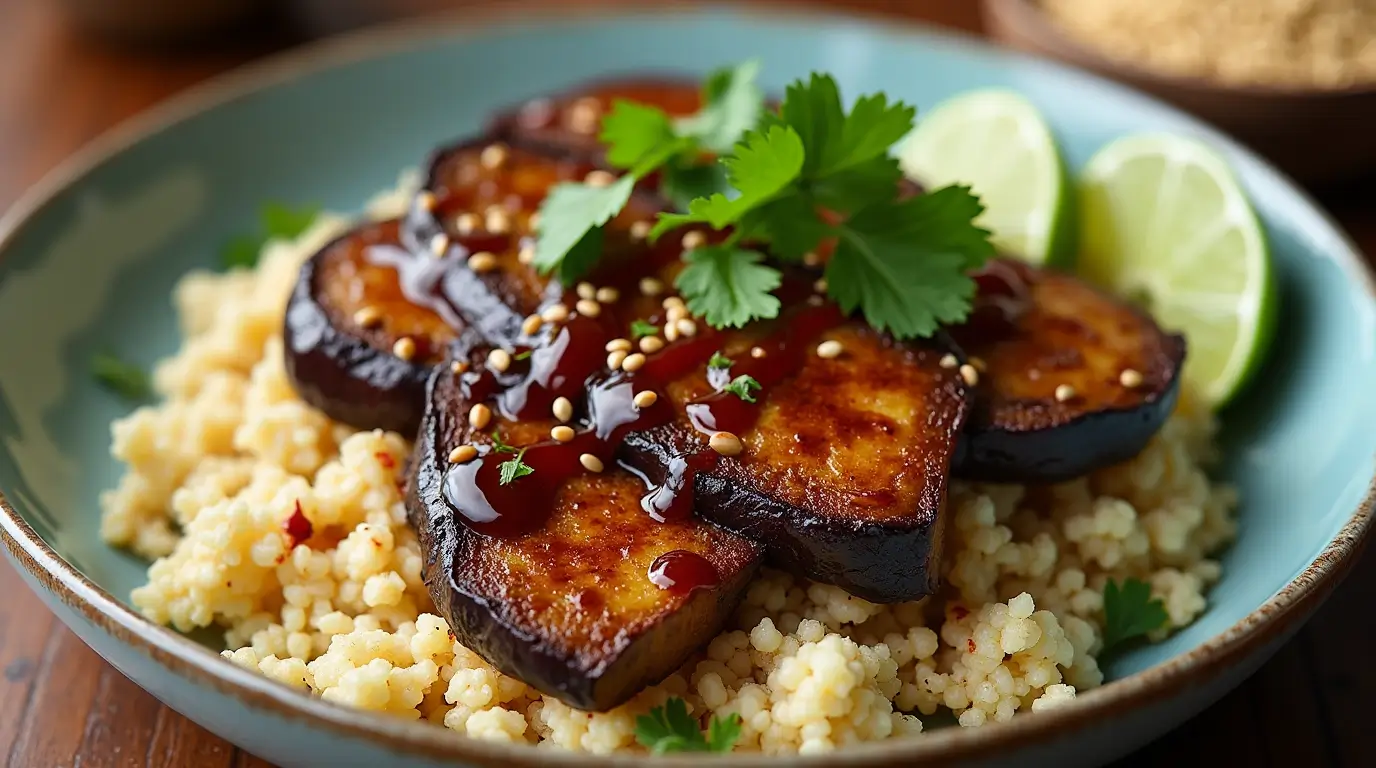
(569,122)
(1072,379)
(571,588)
(373,311)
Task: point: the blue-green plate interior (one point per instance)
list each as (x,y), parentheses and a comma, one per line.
(93,270)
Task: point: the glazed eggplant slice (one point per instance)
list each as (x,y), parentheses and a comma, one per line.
(844,461)
(357,347)
(569,122)
(589,601)
(1074,379)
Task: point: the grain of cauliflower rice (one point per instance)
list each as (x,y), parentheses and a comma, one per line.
(231,453)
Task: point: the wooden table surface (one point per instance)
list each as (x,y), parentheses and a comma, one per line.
(61,705)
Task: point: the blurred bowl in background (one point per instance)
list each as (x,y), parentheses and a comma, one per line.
(162,21)
(1317,135)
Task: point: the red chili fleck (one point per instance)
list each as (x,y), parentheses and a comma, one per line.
(960,612)
(386,460)
(970,644)
(298,528)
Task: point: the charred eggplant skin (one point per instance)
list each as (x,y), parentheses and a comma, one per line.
(342,374)
(1072,334)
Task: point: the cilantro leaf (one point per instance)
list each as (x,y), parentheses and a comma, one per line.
(873,181)
(523,355)
(569,240)
(633,132)
(124,379)
(682,183)
(903,263)
(728,286)
(671,729)
(276,220)
(242,251)
(501,446)
(640,328)
(834,140)
(1130,611)
(720,361)
(733,104)
(741,387)
(763,165)
(514,469)
(789,224)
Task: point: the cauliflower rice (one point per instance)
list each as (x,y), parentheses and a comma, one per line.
(231,453)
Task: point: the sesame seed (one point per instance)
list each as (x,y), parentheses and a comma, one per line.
(820,286)
(814,300)
(482,261)
(633,362)
(368,317)
(439,244)
(466,223)
(533,221)
(562,433)
(694,239)
(498,220)
(588,307)
(949,361)
(462,454)
(645,399)
(757,352)
(829,349)
(686,327)
(651,344)
(583,115)
(493,156)
(725,443)
(671,332)
(620,345)
(585,290)
(650,286)
(479,416)
(676,313)
(562,408)
(590,462)
(1130,378)
(499,360)
(531,325)
(979,364)
(811,259)
(969,374)
(640,230)
(671,302)
(615,359)
(404,348)
(607,295)
(599,178)
(1064,392)
(526,255)
(425,200)
(458,366)
(555,313)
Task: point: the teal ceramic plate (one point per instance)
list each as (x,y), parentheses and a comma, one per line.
(88,259)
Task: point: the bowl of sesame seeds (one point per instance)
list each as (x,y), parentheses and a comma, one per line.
(1296,81)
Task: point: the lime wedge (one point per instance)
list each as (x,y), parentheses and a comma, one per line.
(1165,222)
(996,142)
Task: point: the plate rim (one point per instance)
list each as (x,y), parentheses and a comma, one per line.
(184,658)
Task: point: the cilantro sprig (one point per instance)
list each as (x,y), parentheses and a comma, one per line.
(901,262)
(275,221)
(641,328)
(641,140)
(514,469)
(124,379)
(741,387)
(719,360)
(671,729)
(1130,612)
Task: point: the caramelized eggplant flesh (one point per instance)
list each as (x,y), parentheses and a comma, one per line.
(1074,339)
(345,317)
(843,475)
(570,607)
(569,122)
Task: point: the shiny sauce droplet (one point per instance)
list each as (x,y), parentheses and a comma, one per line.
(681,572)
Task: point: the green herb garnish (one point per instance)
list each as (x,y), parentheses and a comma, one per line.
(1130,611)
(741,386)
(641,328)
(501,446)
(514,469)
(719,361)
(523,355)
(640,140)
(276,221)
(124,379)
(670,729)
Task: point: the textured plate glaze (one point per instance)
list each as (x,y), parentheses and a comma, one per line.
(88,259)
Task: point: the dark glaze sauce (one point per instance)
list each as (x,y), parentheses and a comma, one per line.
(1004,293)
(681,571)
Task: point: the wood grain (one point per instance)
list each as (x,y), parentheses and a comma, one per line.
(61,705)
